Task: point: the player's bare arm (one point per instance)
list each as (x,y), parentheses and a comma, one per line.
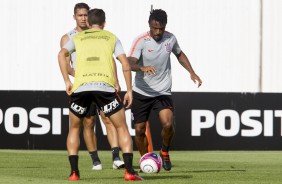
(146,69)
(126,69)
(117,86)
(63,41)
(62,58)
(184,61)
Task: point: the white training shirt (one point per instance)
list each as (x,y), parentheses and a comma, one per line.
(157,54)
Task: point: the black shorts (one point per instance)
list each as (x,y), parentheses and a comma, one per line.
(92,111)
(142,106)
(109,103)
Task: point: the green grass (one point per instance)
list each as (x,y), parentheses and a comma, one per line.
(206,167)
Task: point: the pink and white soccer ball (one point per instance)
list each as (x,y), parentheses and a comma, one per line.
(150,163)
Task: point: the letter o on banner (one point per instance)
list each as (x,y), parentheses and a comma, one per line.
(9,120)
(234,123)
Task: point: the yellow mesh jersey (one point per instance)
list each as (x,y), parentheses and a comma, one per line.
(94,51)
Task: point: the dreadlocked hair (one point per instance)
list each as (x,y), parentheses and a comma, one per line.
(158,15)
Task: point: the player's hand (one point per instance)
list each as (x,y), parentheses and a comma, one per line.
(195,78)
(148,70)
(127,100)
(68,87)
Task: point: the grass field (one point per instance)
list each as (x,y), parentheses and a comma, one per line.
(207,167)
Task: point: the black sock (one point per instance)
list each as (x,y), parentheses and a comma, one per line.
(115,151)
(73,159)
(95,157)
(165,148)
(127,158)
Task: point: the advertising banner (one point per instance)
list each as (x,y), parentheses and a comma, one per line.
(203,121)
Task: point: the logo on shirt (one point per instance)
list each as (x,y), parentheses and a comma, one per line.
(93,59)
(147,39)
(168,47)
(150,50)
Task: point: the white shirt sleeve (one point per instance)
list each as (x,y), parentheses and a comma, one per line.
(70,46)
(118,48)
(176,48)
(136,48)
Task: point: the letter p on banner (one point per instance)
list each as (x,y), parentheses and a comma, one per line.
(201,119)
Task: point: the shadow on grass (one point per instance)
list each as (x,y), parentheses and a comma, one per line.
(144,176)
(174,177)
(25,167)
(229,170)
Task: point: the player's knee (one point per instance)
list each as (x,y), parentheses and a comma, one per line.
(88,126)
(140,130)
(167,125)
(107,122)
(88,123)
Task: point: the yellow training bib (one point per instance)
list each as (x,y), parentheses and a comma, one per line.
(94,55)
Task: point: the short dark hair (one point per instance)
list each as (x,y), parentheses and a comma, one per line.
(158,15)
(80,6)
(96,16)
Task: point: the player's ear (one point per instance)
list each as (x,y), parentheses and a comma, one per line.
(103,25)
(73,17)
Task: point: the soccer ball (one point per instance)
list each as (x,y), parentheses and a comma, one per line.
(150,163)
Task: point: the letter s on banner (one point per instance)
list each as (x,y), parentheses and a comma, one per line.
(255,125)
(44,124)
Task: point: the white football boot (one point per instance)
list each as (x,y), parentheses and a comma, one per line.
(118,164)
(97,167)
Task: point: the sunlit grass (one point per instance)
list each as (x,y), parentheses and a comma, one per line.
(209,167)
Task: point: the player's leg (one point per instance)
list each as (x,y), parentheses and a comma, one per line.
(79,103)
(125,143)
(73,145)
(140,110)
(124,138)
(113,141)
(165,106)
(141,138)
(111,105)
(90,138)
(166,119)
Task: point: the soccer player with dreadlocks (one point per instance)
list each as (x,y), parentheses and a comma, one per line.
(149,57)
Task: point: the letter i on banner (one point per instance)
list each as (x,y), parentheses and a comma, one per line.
(149,137)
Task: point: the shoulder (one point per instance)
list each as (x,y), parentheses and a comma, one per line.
(169,35)
(170,38)
(81,34)
(108,33)
(72,32)
(64,39)
(143,37)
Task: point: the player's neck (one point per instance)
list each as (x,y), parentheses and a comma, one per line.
(97,27)
(79,29)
